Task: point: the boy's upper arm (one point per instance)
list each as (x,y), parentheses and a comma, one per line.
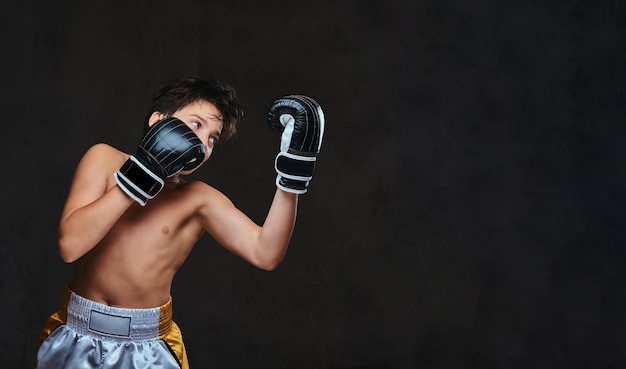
(90,178)
(230,227)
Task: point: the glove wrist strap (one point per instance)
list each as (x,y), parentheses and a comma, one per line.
(294,166)
(137,181)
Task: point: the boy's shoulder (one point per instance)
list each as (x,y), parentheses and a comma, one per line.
(202,196)
(105,149)
(100,158)
(203,190)
(102,152)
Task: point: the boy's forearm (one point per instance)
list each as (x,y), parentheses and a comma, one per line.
(81,230)
(278,228)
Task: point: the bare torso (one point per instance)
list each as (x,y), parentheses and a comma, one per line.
(134,264)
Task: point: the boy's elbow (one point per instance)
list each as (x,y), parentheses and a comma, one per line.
(67,257)
(266,256)
(66,252)
(269,264)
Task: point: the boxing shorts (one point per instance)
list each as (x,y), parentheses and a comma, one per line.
(86,334)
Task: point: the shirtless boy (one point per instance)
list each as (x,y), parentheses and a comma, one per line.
(130,221)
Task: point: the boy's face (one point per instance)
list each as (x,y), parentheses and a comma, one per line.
(203,118)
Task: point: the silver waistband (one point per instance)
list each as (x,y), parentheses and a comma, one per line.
(110,323)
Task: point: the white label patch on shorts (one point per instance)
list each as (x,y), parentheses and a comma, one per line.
(113,325)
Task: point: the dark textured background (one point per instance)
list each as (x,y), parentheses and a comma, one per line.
(467,206)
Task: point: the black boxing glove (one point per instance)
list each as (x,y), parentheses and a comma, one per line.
(168,147)
(301,121)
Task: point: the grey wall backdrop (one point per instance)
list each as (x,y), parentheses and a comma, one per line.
(467,206)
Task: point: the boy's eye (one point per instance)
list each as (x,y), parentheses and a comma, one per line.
(212,140)
(196,124)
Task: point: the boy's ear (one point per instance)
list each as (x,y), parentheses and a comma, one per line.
(155,117)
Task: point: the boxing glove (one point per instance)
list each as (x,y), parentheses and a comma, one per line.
(168,147)
(300,119)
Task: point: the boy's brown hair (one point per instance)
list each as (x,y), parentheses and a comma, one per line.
(181,92)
